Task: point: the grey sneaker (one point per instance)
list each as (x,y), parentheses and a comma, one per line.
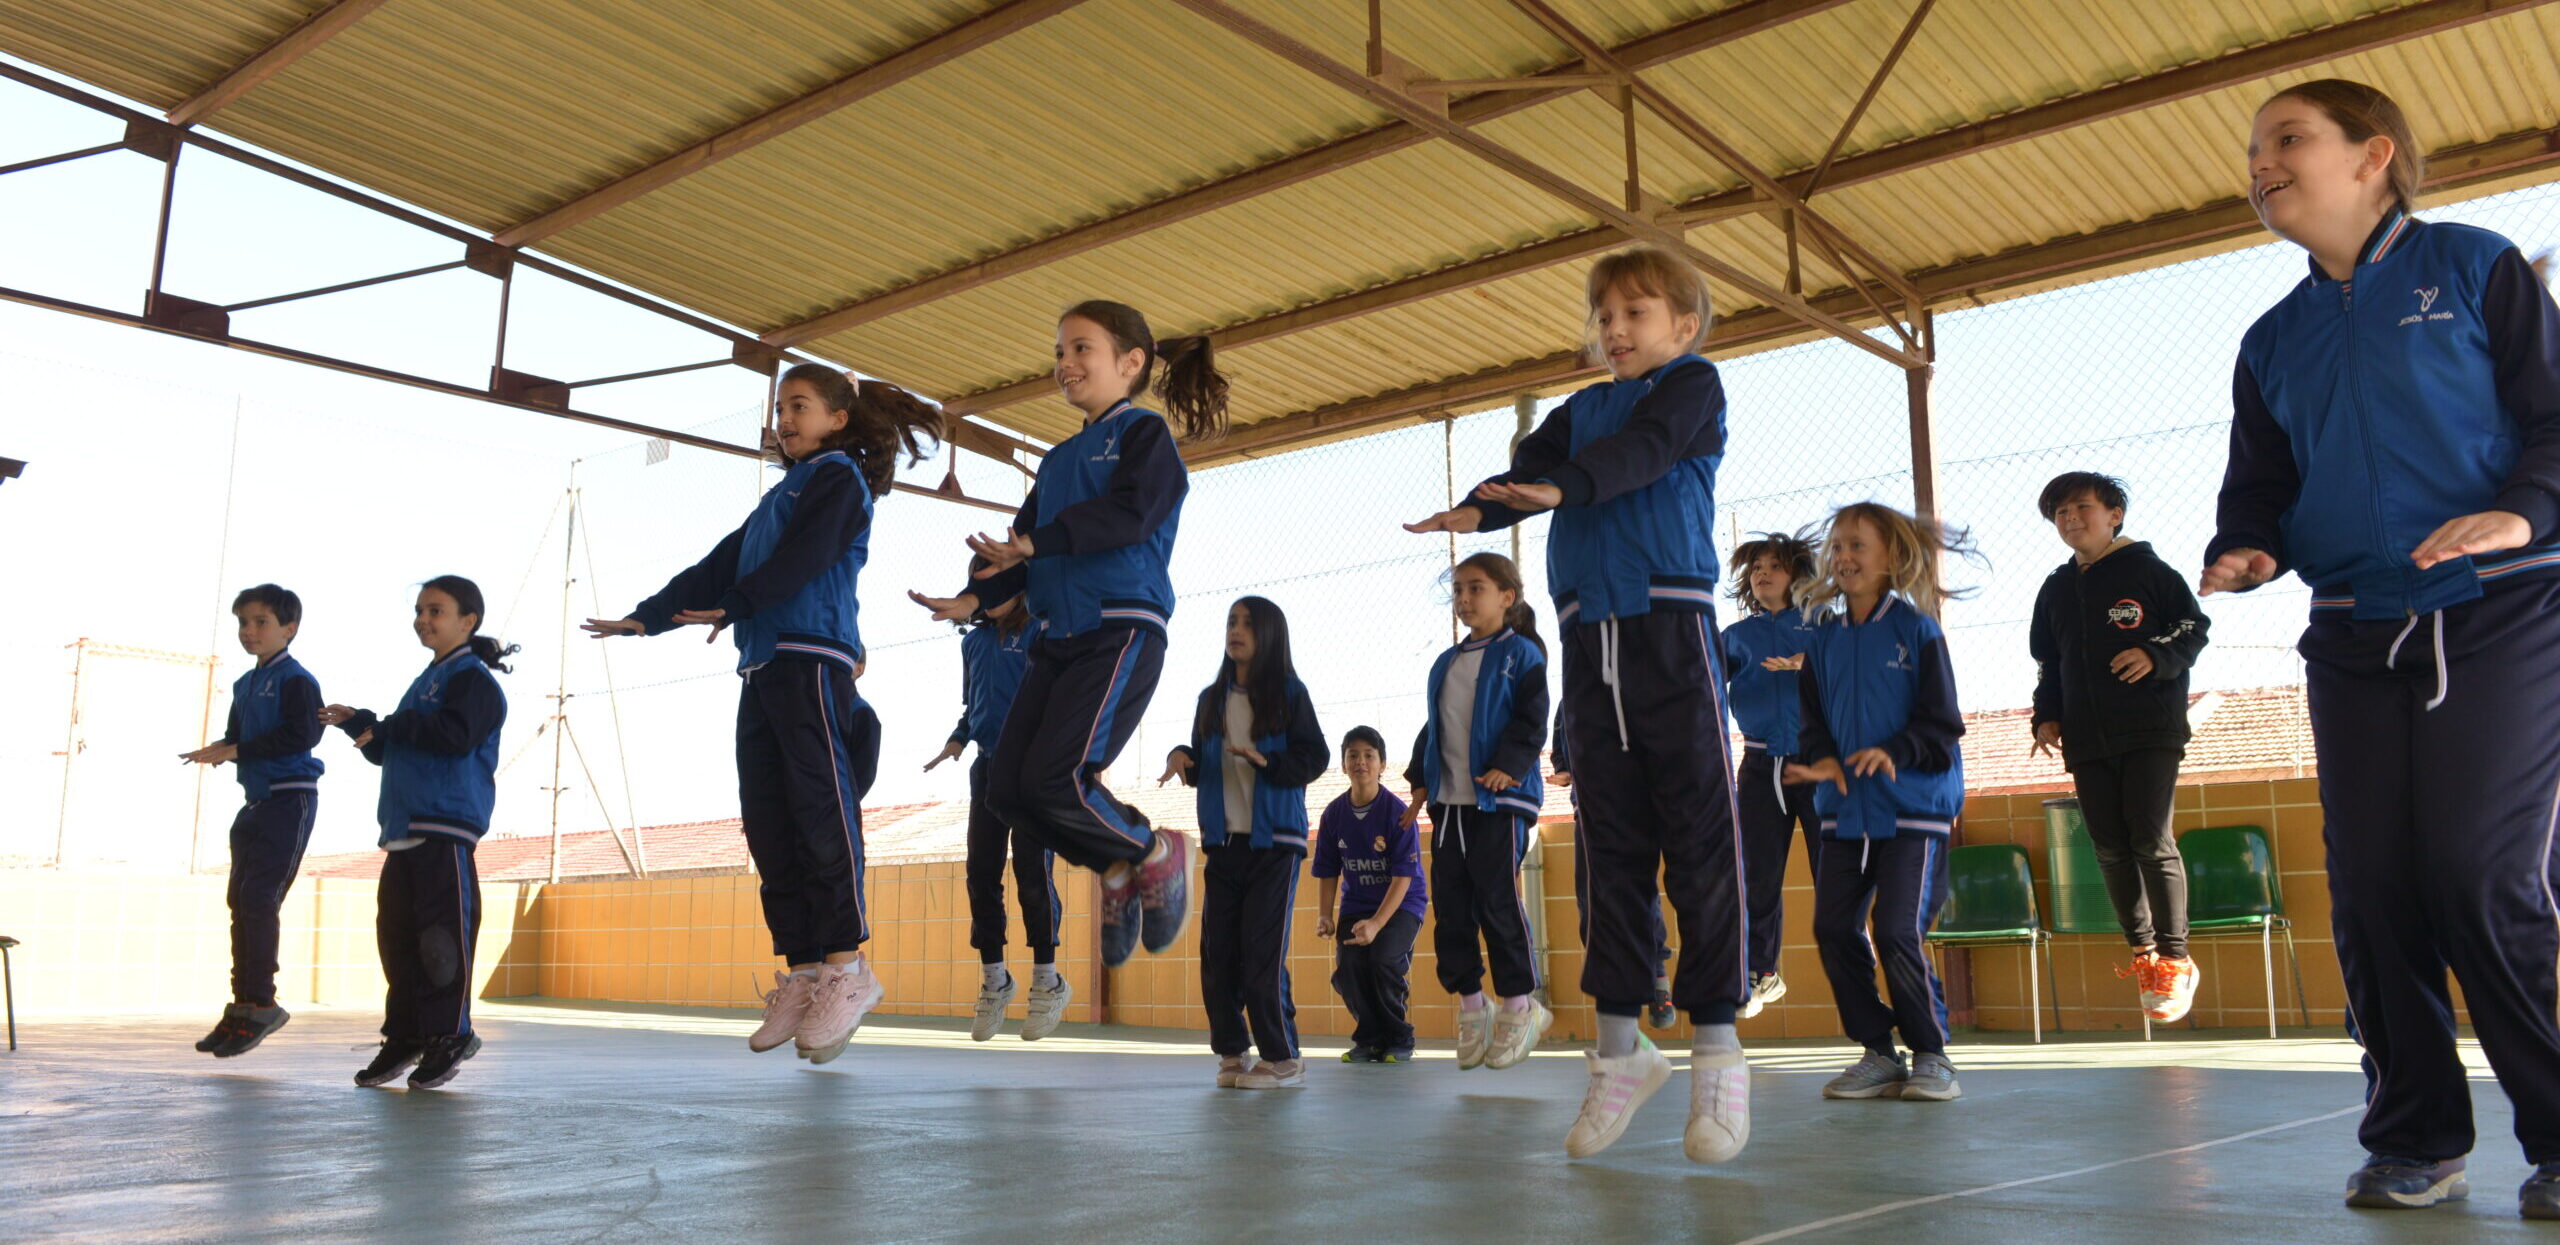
(1933,1079)
(1048,1007)
(1879,1074)
(2388,1182)
(988,1018)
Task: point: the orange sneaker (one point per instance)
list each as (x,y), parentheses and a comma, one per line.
(2171,989)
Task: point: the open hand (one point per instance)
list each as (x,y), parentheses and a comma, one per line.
(606,628)
(1825,770)
(1461,520)
(1866,762)
(335,715)
(1001,555)
(1177,764)
(212,754)
(1496,780)
(718,620)
(2486,532)
(1249,753)
(961,608)
(1783,663)
(1527,498)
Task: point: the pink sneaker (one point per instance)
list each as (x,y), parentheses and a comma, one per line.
(785,1006)
(845,993)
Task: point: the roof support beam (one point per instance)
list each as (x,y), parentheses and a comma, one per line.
(861,84)
(1422,115)
(1734,23)
(319,28)
(2534,151)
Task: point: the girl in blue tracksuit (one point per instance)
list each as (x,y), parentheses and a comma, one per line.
(993,656)
(1629,467)
(1878,737)
(1089,552)
(1475,764)
(1254,748)
(2395,441)
(439,757)
(1762,652)
(807,744)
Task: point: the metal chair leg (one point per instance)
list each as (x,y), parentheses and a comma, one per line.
(2301,1003)
(9,985)
(2267,951)
(2052,984)
(2035,1014)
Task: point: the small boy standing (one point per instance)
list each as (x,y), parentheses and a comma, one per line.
(274,723)
(2114,633)
(1368,852)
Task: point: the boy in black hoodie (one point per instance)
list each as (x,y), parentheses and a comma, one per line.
(2115,632)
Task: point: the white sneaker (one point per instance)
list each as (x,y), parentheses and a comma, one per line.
(989,1016)
(1516,1032)
(845,993)
(2171,990)
(1719,1106)
(785,1006)
(1766,988)
(1618,1087)
(1048,1007)
(1230,1070)
(1286,1074)
(1475,1035)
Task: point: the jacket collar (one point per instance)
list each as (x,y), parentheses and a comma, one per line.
(1471,645)
(2387,235)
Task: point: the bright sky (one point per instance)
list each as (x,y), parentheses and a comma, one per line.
(166,474)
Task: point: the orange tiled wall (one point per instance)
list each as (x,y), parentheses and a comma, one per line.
(85,935)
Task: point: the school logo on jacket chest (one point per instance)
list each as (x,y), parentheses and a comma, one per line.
(2125,614)
(1901,658)
(2426,306)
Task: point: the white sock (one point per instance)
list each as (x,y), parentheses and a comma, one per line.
(1617,1036)
(1471,1002)
(810,971)
(1044,976)
(995,975)
(1516,1003)
(1712,1039)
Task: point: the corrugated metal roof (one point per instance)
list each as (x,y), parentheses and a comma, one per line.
(495,111)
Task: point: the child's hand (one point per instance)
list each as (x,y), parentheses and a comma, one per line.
(718,619)
(1001,555)
(2132,665)
(951,751)
(1177,764)
(365,740)
(1362,932)
(1413,808)
(1783,663)
(2048,740)
(335,715)
(2237,571)
(1564,778)
(947,609)
(1249,753)
(1496,780)
(1525,497)
(1865,762)
(1324,925)
(212,754)
(1462,520)
(607,628)
(2486,532)
(1825,770)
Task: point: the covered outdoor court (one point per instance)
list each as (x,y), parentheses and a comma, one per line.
(596,1124)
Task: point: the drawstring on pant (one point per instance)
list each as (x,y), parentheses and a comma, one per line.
(1864,845)
(2444,678)
(1609,675)
(1778,780)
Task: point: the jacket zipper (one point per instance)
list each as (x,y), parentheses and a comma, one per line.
(2363,417)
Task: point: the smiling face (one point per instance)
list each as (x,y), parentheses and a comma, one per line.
(802,420)
(1093,372)
(1860,563)
(1479,602)
(2087,524)
(440,623)
(1362,764)
(1771,582)
(261,636)
(1241,645)
(2308,180)
(1638,333)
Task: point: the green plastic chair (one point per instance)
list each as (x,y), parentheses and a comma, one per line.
(2232,891)
(1991,902)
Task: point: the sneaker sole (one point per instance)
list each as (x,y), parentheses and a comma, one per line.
(1539,1021)
(1292,1083)
(834,1045)
(254,1038)
(1655,1078)
(1914,1093)
(2529,1210)
(473,1048)
(1890,1089)
(1661,1019)
(385,1078)
(2454,1188)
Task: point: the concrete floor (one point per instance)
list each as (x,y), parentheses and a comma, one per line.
(584,1124)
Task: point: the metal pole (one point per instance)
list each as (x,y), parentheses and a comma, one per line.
(560,690)
(1449,491)
(70,752)
(1924,438)
(213,643)
(1524,411)
(160,238)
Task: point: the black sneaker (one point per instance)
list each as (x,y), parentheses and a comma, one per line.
(1659,1013)
(1401,1054)
(250,1025)
(443,1058)
(1364,1054)
(2387,1182)
(2540,1196)
(221,1028)
(393,1059)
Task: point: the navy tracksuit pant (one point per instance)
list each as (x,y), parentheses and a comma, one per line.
(1246,896)
(1475,892)
(426,920)
(267,839)
(1902,881)
(2126,800)
(1582,900)
(1772,811)
(1080,700)
(2439,837)
(1653,770)
(805,742)
(1370,977)
(989,838)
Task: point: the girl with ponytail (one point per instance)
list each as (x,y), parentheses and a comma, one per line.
(1088,552)
(807,744)
(439,759)
(1476,764)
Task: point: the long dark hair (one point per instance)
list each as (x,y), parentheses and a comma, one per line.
(1194,393)
(1265,682)
(880,420)
(1794,552)
(1505,575)
(466,598)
